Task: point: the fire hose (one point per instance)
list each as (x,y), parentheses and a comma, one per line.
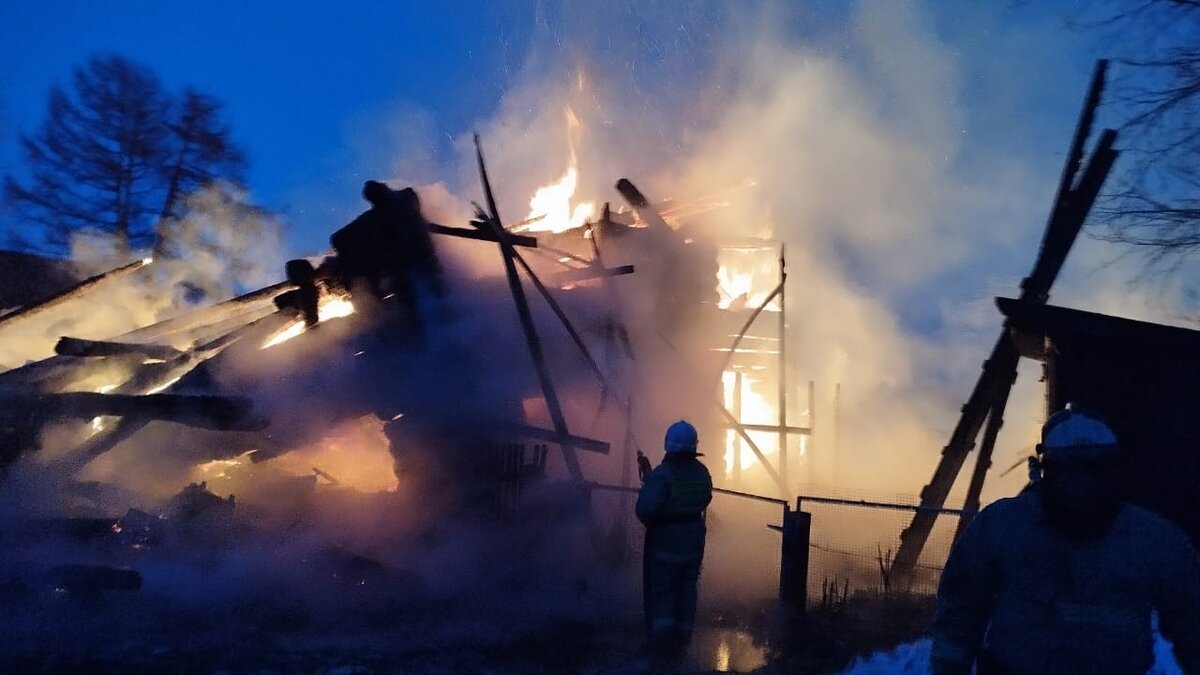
(644,467)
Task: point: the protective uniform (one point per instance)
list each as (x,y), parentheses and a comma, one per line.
(671,504)
(1062,579)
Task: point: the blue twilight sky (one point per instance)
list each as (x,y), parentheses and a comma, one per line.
(292,74)
(309,85)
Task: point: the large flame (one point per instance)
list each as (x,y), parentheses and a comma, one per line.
(746,276)
(550,209)
(755,409)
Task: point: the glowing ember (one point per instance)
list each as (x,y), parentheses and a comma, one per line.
(329,307)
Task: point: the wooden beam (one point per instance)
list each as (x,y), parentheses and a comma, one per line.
(772,428)
(69,346)
(641,205)
(1067,215)
(209,412)
(532,339)
(78,290)
(482,235)
(762,459)
(209,315)
(551,436)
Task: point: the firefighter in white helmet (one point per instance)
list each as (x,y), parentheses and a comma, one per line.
(1064,578)
(671,504)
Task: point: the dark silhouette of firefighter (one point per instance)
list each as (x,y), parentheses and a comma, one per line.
(389,247)
(671,504)
(1064,577)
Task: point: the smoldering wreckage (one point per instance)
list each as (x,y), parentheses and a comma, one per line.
(377,463)
(369,346)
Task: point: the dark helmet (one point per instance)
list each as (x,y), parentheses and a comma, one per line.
(681,439)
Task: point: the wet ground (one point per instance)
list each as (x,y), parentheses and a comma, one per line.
(118,637)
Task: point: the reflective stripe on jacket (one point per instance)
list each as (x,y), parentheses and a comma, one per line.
(671,504)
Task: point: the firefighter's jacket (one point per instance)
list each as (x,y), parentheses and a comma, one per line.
(671,504)
(1017,594)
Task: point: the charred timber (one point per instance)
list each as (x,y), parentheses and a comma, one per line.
(212,314)
(69,346)
(551,436)
(1073,201)
(165,376)
(641,205)
(78,290)
(482,235)
(590,273)
(59,373)
(208,412)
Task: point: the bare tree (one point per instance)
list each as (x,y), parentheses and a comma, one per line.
(1156,203)
(116,153)
(201,150)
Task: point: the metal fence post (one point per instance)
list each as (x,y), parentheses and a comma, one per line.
(793,566)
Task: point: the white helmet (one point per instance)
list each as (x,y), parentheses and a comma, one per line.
(1072,435)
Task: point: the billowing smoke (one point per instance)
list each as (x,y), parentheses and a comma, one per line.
(849,140)
(897,166)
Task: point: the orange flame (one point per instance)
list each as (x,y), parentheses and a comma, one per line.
(329,307)
(746,276)
(550,208)
(755,409)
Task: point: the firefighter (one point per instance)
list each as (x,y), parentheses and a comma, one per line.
(1064,577)
(671,505)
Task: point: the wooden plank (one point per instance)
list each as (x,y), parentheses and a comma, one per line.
(589,273)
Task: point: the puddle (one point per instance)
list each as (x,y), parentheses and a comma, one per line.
(728,650)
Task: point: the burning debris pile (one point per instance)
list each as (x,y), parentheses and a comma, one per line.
(345,416)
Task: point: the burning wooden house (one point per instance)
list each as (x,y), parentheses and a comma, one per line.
(353,324)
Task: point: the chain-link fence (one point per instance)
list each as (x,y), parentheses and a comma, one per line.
(854,536)
(741,552)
